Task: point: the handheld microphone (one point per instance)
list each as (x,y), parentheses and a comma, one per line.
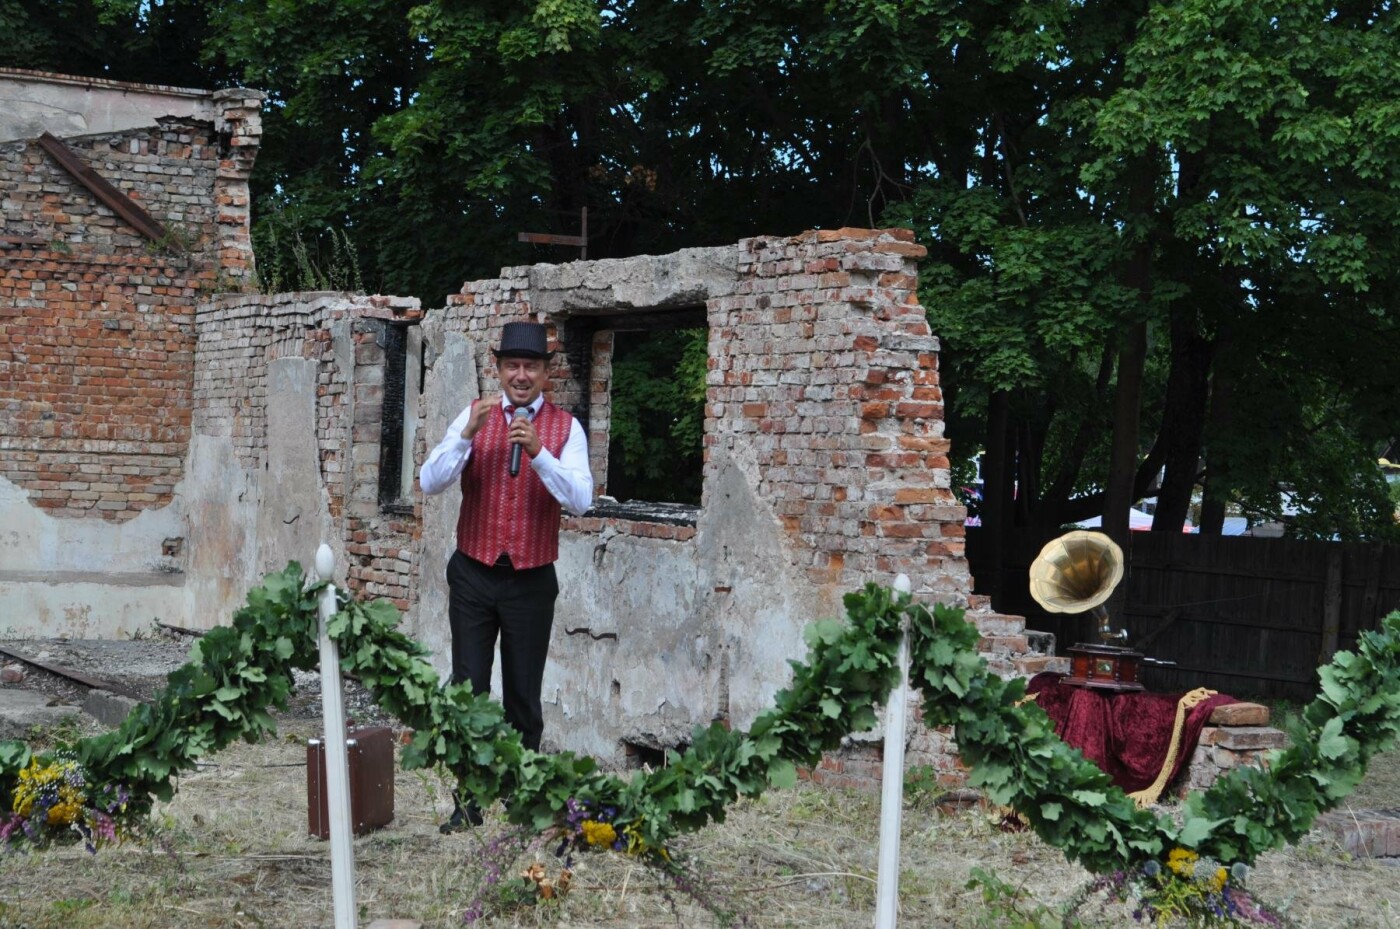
(520,412)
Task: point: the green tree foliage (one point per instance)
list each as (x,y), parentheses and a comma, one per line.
(1161,234)
(332,71)
(155,42)
(658,416)
(1207,178)
(432,133)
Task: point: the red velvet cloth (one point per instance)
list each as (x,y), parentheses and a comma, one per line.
(1128,735)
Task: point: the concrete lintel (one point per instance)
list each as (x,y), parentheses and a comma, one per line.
(34,101)
(109,578)
(687,278)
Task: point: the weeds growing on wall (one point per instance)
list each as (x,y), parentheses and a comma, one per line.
(291,258)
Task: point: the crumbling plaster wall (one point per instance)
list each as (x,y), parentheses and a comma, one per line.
(825,467)
(287,408)
(97,338)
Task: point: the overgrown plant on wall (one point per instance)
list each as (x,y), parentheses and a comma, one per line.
(295,260)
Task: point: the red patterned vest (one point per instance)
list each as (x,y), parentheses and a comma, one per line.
(516,515)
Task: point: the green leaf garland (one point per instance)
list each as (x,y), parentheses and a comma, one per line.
(238,672)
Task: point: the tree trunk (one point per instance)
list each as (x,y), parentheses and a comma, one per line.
(1055,500)
(1217,483)
(1120,487)
(1027,489)
(1127,406)
(1183,417)
(1212,515)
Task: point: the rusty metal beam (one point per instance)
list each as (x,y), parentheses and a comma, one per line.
(96,683)
(102,189)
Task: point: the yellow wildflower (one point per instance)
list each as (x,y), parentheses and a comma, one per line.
(596,833)
(64,813)
(1182,862)
(1217,881)
(637,845)
(35,781)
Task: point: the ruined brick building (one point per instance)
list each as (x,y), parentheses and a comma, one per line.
(121,207)
(169,435)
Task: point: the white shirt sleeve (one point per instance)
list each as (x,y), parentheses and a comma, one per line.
(445,462)
(568,477)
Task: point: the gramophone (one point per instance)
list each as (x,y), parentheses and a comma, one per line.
(1077,572)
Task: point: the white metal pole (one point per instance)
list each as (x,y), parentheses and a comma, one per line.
(892,783)
(337,764)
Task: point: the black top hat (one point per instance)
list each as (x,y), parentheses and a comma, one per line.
(524,340)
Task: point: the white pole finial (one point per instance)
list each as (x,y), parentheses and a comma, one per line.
(325,562)
(902,585)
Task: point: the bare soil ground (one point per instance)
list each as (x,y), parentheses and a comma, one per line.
(231,850)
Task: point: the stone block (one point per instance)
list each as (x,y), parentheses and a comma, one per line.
(108,708)
(997,623)
(1009,645)
(1363,833)
(1031,665)
(1244,738)
(21,710)
(1240,714)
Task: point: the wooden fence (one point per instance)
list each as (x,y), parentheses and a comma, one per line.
(1245,616)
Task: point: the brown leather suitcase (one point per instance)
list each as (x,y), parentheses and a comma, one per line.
(370,752)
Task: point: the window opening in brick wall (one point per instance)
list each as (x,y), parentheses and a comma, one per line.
(657,415)
(403,379)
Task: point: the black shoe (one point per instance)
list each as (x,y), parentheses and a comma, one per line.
(461,818)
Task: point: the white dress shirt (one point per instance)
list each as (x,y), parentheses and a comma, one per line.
(567,478)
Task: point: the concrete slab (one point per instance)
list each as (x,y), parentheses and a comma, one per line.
(32,102)
(21,710)
(107,708)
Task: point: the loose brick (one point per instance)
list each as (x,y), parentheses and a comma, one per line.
(1240,714)
(1244,738)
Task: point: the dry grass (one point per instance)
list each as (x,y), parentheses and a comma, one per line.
(231,851)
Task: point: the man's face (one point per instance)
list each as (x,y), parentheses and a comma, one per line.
(522,379)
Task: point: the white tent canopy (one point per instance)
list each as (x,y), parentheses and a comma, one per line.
(1137,520)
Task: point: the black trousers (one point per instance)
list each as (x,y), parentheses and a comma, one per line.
(486,602)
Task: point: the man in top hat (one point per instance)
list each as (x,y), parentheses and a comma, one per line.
(519,459)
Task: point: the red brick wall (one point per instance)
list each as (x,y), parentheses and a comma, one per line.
(823,434)
(96,355)
(238,336)
(823,366)
(382,544)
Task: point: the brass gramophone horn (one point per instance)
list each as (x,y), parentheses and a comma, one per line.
(1077,572)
